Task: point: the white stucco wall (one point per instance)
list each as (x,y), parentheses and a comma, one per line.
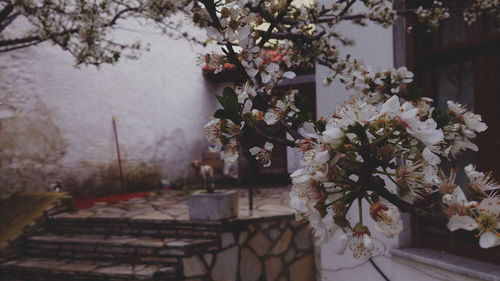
(55,120)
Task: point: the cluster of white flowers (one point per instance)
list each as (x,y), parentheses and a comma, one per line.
(213,60)
(235,23)
(433,16)
(222,135)
(283,108)
(459,134)
(478,7)
(269,72)
(362,139)
(263,154)
(381,12)
(483,216)
(346,153)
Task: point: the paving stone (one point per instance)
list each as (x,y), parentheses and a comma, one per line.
(260,243)
(193,266)
(208,258)
(243,237)
(227,239)
(171,252)
(295,223)
(41,263)
(117,270)
(226,264)
(155,215)
(303,239)
(251,228)
(283,242)
(283,224)
(177,243)
(77,266)
(48,269)
(274,266)
(290,254)
(274,233)
(266,225)
(250,266)
(303,269)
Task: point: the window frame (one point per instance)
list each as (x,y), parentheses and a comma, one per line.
(483,49)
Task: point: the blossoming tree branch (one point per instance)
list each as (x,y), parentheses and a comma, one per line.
(382,134)
(383,146)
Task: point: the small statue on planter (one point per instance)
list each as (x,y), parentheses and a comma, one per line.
(207,174)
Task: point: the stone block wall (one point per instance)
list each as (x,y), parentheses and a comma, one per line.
(278,249)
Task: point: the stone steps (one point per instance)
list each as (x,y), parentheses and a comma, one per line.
(111,249)
(48,269)
(134,227)
(118,248)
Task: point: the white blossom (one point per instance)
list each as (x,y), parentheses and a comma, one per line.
(263,154)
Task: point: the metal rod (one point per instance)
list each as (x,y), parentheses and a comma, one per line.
(118,153)
(250,197)
(379,270)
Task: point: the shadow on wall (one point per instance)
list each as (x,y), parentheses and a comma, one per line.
(30,149)
(106,180)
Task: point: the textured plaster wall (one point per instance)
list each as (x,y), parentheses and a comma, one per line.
(55,120)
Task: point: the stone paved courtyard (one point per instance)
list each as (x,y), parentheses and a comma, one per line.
(153,238)
(172,205)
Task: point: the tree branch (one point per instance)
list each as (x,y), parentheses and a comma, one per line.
(302,37)
(4,13)
(378,186)
(273,23)
(210,6)
(272,138)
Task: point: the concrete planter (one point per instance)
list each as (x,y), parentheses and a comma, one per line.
(221,204)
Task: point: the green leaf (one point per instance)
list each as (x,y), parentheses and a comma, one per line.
(440,118)
(222,114)
(228,91)
(229,101)
(232,104)
(321,125)
(301,102)
(221,100)
(341,220)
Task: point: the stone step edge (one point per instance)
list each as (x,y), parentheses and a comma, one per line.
(214,223)
(68,267)
(117,241)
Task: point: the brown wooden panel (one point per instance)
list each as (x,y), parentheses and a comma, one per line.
(483,49)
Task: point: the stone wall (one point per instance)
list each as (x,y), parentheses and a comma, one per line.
(272,250)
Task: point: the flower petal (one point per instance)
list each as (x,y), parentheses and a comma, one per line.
(461,222)
(430,157)
(271,118)
(268,146)
(289,75)
(488,240)
(255,150)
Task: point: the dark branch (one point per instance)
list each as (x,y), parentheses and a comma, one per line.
(273,23)
(271,138)
(4,13)
(298,36)
(378,186)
